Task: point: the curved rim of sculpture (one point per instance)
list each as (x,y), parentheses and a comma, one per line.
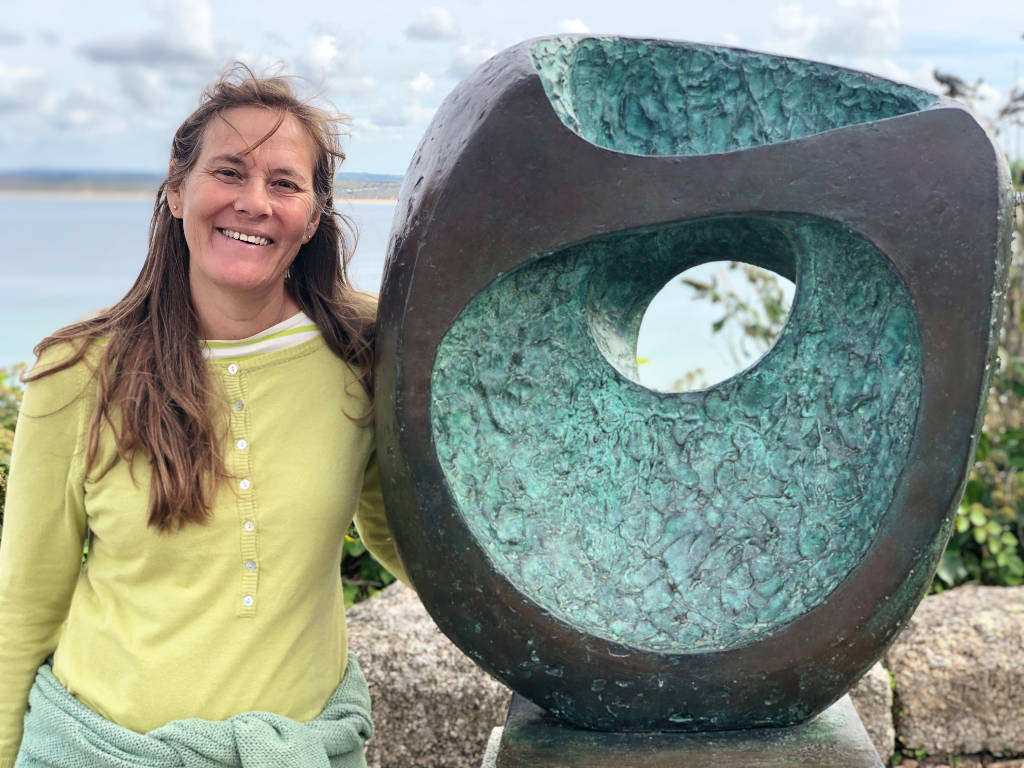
(927,188)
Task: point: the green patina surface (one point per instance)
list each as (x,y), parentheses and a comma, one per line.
(651,97)
(678,522)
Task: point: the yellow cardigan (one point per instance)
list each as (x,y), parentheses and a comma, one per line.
(243,613)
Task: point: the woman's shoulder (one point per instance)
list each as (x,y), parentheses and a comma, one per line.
(63,354)
(61,374)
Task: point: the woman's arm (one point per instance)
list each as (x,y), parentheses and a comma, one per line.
(41,547)
(373,525)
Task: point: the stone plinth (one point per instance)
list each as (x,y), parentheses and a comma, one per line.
(532,738)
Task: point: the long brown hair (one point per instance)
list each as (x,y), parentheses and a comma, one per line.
(152,372)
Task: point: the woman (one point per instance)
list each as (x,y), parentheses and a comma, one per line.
(211,434)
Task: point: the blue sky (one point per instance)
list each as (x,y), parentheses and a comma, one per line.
(103,85)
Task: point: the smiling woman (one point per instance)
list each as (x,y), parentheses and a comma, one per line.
(247,208)
(211,434)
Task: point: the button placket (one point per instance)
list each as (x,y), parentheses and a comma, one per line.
(240,465)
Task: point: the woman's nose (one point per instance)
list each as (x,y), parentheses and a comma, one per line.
(253,199)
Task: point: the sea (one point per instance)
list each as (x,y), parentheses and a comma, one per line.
(64,257)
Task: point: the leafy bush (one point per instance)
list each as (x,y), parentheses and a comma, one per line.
(10,402)
(361,575)
(986,544)
(756,311)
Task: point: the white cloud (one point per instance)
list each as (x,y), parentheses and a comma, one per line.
(183,35)
(321,53)
(85,109)
(417,114)
(409,113)
(884,66)
(361,124)
(21,87)
(861,28)
(987,104)
(48,36)
(434,23)
(338,63)
(261,63)
(326,54)
(147,87)
(573,26)
(730,39)
(794,30)
(10,37)
(422,83)
(470,56)
(190,22)
(352,85)
(407,110)
(849,28)
(388,117)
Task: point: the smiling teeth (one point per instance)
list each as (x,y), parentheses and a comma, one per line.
(254,239)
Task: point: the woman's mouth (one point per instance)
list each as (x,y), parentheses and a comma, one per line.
(252,239)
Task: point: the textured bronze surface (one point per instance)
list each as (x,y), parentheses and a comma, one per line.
(702,520)
(825,476)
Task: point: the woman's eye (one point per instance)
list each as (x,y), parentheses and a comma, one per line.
(286,185)
(226,173)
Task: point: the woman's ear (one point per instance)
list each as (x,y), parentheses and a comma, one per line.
(173,195)
(311,227)
(174,202)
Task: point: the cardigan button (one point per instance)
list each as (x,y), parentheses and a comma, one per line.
(248,601)
(249,525)
(250,565)
(245,484)
(232,369)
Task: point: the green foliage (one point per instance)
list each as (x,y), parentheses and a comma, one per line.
(986,546)
(10,402)
(755,312)
(361,575)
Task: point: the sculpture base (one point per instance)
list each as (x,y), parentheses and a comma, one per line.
(532,738)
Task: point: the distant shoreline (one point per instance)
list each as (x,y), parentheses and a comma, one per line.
(124,194)
(59,185)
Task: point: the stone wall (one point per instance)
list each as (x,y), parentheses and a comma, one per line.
(959,673)
(958,670)
(432,706)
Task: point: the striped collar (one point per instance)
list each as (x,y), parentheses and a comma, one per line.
(288,333)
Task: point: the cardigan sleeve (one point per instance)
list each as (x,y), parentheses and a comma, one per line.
(372,523)
(44,528)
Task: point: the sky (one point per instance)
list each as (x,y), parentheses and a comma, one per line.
(103,85)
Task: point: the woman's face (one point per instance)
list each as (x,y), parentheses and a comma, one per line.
(246,213)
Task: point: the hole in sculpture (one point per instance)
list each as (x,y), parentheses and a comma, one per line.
(709,323)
